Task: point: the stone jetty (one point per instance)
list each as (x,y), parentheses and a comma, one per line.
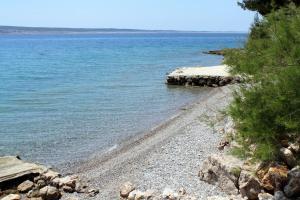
(214,76)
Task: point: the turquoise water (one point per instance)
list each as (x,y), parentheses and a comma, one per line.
(65,97)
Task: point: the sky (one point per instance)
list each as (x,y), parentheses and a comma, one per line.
(189,15)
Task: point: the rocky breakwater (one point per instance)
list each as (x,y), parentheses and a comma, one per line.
(23,180)
(214,76)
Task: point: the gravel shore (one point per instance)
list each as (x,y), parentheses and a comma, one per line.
(167,157)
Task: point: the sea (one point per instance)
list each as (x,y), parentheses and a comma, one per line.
(65,97)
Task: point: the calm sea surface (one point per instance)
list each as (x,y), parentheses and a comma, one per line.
(65,97)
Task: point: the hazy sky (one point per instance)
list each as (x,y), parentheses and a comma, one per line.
(198,15)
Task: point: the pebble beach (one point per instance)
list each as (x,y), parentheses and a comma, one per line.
(169,156)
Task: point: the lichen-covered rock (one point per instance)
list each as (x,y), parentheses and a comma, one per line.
(223,171)
(25,186)
(288,157)
(50,193)
(292,189)
(275,178)
(249,185)
(12,197)
(126,188)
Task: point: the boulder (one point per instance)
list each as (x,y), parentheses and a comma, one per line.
(279,195)
(12,197)
(292,189)
(223,171)
(288,157)
(50,193)
(126,188)
(25,186)
(249,185)
(275,178)
(265,196)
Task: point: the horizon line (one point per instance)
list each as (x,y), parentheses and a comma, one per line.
(120,29)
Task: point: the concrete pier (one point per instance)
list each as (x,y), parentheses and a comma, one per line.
(214,76)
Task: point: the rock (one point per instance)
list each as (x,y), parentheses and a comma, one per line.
(34,193)
(67,181)
(275,178)
(181,191)
(81,187)
(93,192)
(68,189)
(292,189)
(12,197)
(223,171)
(50,175)
(41,183)
(294,147)
(126,188)
(279,195)
(249,185)
(265,196)
(25,186)
(288,157)
(169,194)
(50,193)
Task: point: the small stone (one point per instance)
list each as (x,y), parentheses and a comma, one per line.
(126,188)
(68,181)
(169,194)
(68,189)
(81,187)
(25,186)
(288,157)
(292,189)
(50,175)
(12,197)
(41,183)
(93,192)
(50,193)
(265,196)
(182,191)
(34,193)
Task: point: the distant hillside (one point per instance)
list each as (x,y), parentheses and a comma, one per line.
(44,30)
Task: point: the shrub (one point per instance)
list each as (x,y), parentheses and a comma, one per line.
(266,108)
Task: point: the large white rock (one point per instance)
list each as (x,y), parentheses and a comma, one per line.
(12,197)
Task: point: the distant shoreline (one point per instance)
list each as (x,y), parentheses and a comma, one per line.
(19,30)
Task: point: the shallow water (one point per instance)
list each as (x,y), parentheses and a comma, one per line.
(64,97)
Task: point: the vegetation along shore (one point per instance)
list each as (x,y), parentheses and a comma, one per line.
(241,140)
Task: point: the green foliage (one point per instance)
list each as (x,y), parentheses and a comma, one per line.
(266,6)
(267,106)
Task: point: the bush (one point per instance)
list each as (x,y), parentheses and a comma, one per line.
(266,109)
